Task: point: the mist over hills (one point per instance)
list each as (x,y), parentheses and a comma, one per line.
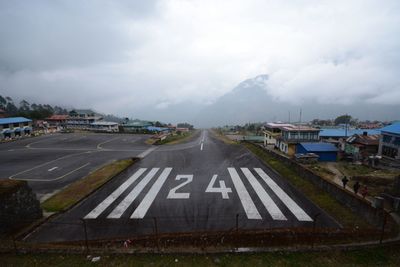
(251,101)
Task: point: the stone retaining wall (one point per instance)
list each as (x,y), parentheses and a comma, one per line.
(18,205)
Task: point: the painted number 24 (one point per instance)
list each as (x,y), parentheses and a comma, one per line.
(211,188)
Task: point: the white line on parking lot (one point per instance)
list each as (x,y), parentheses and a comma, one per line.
(292,206)
(52,169)
(146,152)
(105,142)
(121,208)
(247,202)
(52,180)
(44,164)
(141,210)
(269,204)
(111,198)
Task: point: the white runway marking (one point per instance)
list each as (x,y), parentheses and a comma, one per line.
(292,206)
(201,147)
(121,208)
(145,153)
(111,198)
(247,202)
(105,142)
(141,210)
(269,204)
(52,169)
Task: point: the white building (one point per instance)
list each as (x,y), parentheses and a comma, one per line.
(104,126)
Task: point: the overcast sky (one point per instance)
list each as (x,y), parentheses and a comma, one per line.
(118,56)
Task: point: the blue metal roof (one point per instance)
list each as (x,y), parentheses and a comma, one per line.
(319,147)
(394,128)
(14,120)
(156,129)
(350,132)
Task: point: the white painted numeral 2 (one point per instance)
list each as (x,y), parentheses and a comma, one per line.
(221,189)
(172,193)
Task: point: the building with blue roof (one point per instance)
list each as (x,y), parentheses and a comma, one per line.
(325,151)
(389,144)
(14,127)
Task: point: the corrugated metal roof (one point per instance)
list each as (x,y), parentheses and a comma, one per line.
(319,147)
(394,128)
(14,120)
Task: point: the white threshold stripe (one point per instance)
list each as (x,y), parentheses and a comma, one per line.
(127,201)
(298,212)
(143,207)
(111,198)
(247,202)
(269,204)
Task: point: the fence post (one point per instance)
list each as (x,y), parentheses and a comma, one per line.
(156,233)
(383,227)
(237,222)
(15,245)
(86,235)
(314,227)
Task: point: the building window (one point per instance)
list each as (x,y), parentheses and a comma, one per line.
(389,151)
(387,139)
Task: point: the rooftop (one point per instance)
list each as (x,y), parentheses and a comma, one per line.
(394,128)
(277,125)
(104,123)
(57,117)
(319,147)
(14,120)
(342,132)
(364,139)
(299,128)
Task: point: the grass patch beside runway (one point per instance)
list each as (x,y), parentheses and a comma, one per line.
(220,135)
(78,190)
(384,256)
(177,138)
(322,199)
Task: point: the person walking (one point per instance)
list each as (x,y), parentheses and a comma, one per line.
(364,191)
(344,181)
(356,186)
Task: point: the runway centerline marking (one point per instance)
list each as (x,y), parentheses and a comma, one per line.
(127,201)
(298,212)
(52,169)
(201,146)
(141,210)
(114,195)
(269,204)
(245,199)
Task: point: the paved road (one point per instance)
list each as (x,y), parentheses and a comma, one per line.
(51,162)
(198,186)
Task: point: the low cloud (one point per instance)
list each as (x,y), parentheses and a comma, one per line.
(122,56)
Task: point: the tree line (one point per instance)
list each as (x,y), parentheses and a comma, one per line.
(32,111)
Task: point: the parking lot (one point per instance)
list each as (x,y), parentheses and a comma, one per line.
(51,162)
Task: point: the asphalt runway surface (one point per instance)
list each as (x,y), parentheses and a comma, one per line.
(202,185)
(51,162)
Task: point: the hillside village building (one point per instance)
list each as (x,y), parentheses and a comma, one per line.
(389,144)
(15,127)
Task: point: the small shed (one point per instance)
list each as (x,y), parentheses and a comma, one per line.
(325,151)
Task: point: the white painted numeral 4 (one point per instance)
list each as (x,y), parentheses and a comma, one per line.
(172,193)
(221,189)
